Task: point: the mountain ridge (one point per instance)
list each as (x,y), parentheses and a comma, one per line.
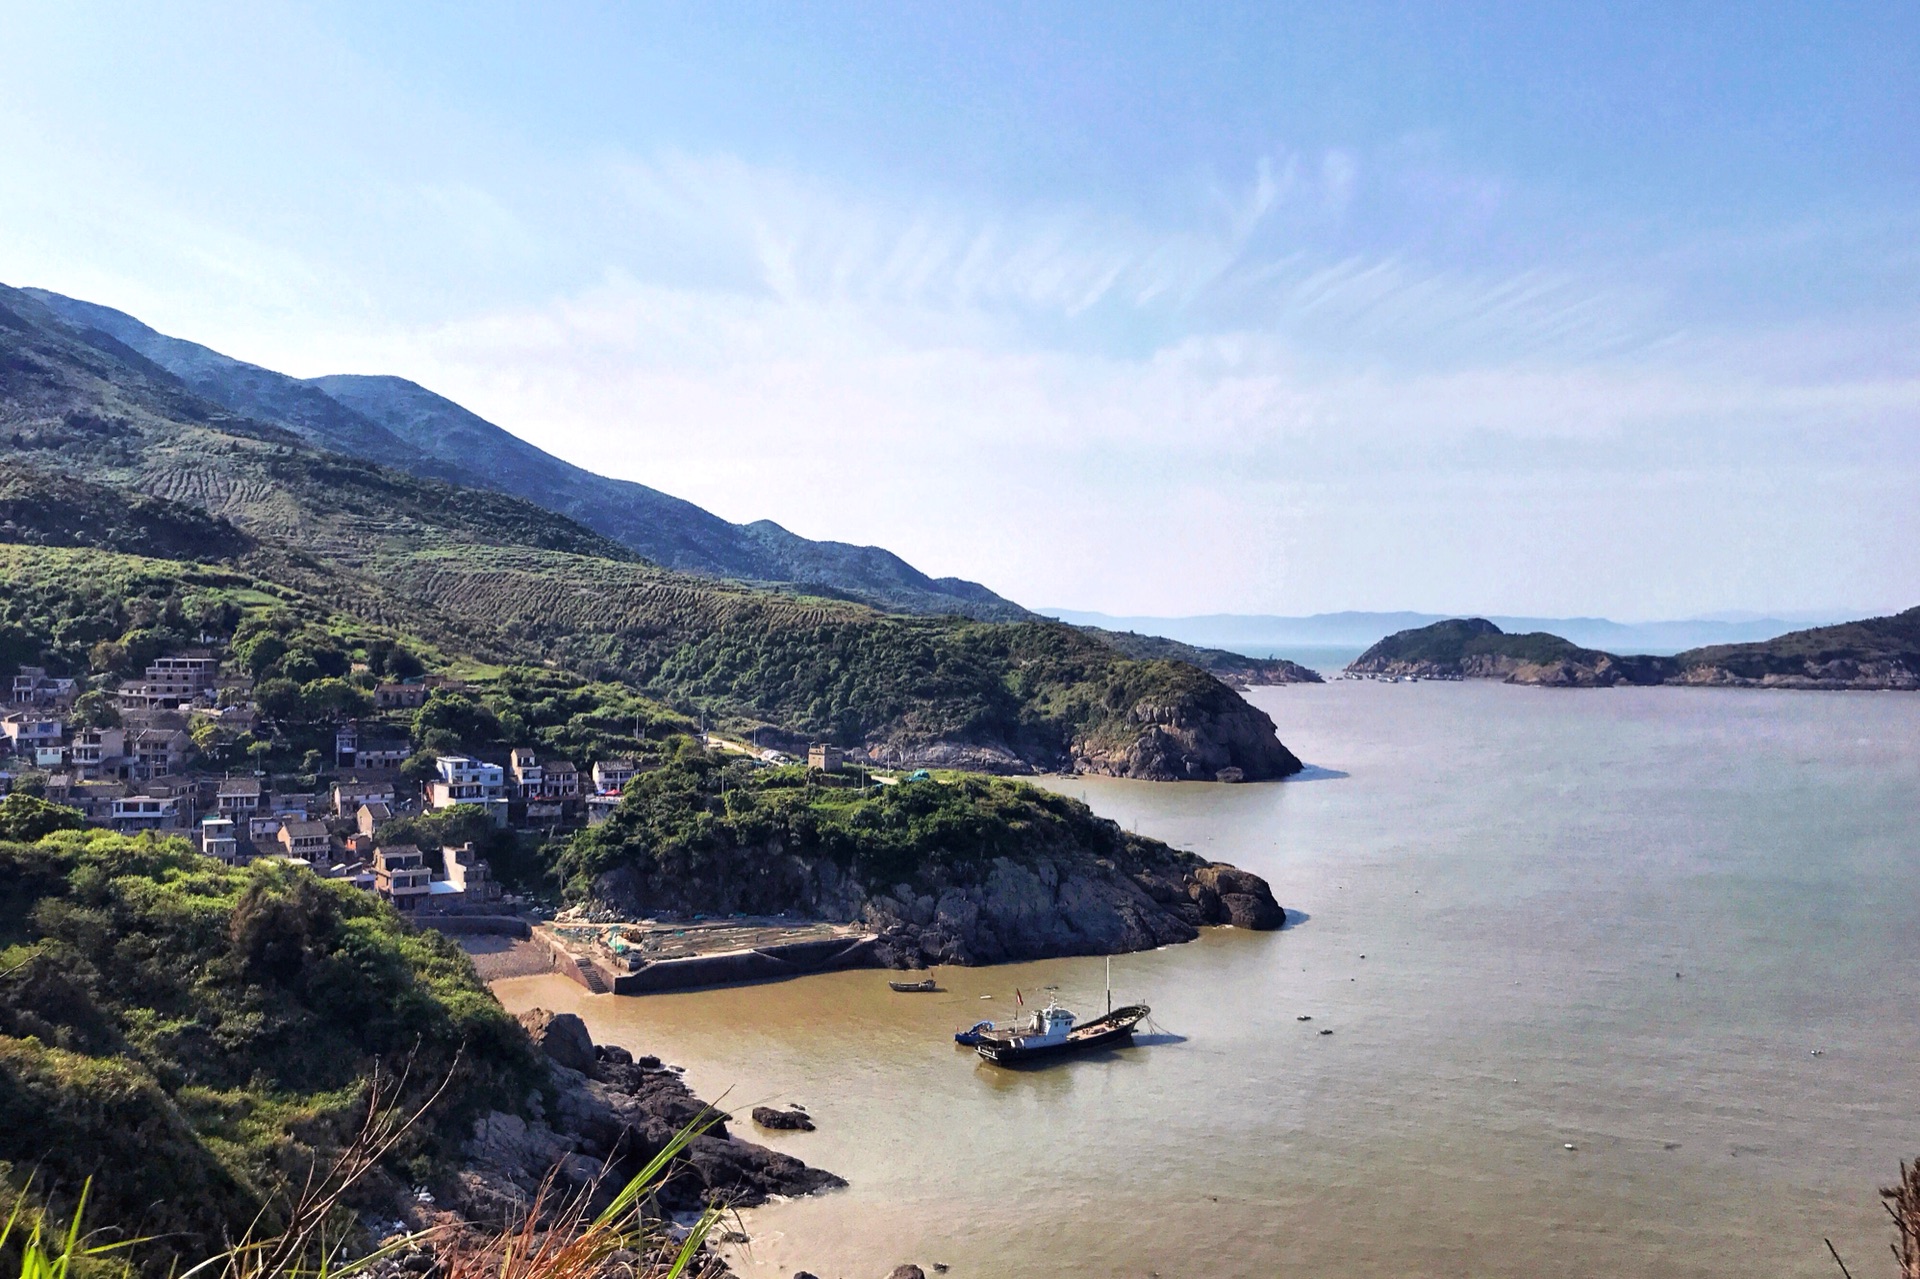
(398,423)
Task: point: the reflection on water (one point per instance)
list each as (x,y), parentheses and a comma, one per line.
(1525,871)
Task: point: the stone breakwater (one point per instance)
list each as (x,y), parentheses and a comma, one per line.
(613,1113)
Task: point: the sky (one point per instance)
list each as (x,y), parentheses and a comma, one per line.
(1151,309)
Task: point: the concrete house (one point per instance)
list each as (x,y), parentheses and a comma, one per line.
(611,775)
(217,839)
(562,780)
(155,752)
(461,779)
(826,759)
(470,875)
(401,876)
(352,791)
(307,841)
(34,687)
(399,697)
(529,777)
(140,811)
(27,732)
(99,752)
(238,797)
(173,680)
(372,817)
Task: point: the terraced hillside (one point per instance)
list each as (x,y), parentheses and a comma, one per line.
(397,423)
(501,579)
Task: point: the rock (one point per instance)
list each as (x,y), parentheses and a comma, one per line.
(907,1272)
(562,1036)
(1245,900)
(804,1274)
(790,1120)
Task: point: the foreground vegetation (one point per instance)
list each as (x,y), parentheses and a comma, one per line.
(194,1037)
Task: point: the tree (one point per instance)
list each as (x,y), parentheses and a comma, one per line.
(26,818)
(280,699)
(453,719)
(335,698)
(95,710)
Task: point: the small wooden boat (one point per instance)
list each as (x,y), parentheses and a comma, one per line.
(914,987)
(1051,1032)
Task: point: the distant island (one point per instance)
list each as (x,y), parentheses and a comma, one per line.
(1876,653)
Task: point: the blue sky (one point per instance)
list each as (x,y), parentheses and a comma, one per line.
(1266,308)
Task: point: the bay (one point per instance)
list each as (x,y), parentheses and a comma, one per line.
(1672,928)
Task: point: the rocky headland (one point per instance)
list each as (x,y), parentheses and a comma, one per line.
(604,1117)
(970,871)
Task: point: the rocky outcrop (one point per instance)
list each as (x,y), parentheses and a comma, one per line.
(1192,736)
(1058,904)
(605,1124)
(561,1036)
(1159,721)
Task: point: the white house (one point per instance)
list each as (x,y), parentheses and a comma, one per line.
(610,775)
(461,779)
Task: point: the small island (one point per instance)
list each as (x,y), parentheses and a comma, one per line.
(1877,653)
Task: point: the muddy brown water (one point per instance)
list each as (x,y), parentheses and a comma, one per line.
(1621,920)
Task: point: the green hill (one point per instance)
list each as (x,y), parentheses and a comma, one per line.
(499,580)
(1878,652)
(1474,648)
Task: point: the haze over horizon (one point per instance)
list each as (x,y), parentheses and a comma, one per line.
(1263,310)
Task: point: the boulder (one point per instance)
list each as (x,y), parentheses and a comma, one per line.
(789,1120)
(562,1036)
(1244,898)
(907,1272)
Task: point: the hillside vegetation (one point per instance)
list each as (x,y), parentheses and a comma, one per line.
(502,581)
(193,1036)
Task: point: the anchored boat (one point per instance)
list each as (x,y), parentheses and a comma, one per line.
(1052,1032)
(926,987)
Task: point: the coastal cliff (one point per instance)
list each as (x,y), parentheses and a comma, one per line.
(1193,729)
(973,871)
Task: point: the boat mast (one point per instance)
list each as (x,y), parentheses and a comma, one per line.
(1109,984)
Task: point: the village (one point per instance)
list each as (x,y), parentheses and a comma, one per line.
(142,771)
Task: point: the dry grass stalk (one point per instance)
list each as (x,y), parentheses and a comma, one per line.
(1902,1203)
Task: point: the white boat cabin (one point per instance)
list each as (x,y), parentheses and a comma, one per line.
(1049,1025)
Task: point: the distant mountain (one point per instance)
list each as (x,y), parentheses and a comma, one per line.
(1877,653)
(398,423)
(1260,635)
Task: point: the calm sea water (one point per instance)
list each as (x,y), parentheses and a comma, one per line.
(1624,920)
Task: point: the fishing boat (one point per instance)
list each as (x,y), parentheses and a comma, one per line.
(914,987)
(1053,1032)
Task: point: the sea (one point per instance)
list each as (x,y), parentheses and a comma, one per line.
(1620,982)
